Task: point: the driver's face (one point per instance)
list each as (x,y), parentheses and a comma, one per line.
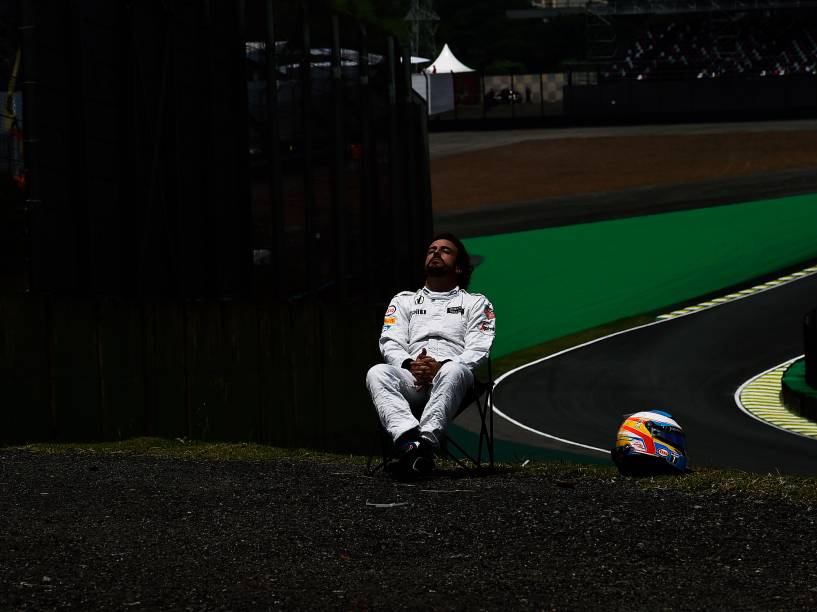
(441,255)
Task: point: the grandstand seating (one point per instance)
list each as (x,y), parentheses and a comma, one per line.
(703,47)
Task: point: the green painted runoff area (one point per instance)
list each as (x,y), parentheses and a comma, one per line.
(549,283)
(795,378)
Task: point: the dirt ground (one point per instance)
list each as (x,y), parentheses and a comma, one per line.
(537,169)
(113,532)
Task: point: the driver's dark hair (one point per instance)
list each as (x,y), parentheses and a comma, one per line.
(463,261)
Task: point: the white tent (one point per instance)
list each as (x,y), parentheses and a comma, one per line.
(446,63)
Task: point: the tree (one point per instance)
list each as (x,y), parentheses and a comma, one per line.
(480,34)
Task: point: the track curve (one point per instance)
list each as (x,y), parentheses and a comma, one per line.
(689,366)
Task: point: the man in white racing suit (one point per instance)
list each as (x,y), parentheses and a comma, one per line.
(432,341)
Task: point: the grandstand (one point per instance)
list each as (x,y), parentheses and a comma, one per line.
(684,59)
(740,44)
(682,39)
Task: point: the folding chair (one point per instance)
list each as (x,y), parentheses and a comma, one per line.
(479,395)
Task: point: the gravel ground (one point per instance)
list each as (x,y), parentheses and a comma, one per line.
(135,532)
(545,170)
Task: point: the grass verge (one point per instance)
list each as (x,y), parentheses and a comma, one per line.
(763,488)
(182,448)
(703,482)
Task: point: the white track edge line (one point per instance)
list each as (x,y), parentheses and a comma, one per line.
(623,331)
(540,360)
(547,435)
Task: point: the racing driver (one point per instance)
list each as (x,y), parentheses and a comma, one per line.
(432,341)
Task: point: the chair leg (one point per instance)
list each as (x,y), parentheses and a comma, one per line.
(456,459)
(486,437)
(372,470)
(384,443)
(489,399)
(486,432)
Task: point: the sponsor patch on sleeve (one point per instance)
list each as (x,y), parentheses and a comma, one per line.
(389,320)
(391,310)
(489,313)
(486,327)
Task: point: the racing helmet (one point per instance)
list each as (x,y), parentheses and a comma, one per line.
(650,443)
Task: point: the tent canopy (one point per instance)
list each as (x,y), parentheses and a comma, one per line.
(446,63)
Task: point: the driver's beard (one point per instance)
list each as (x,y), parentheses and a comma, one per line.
(437,271)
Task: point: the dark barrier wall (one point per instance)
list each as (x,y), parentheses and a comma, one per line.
(220,199)
(810,342)
(642,99)
(250,370)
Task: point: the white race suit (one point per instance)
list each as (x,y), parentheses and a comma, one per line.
(454,327)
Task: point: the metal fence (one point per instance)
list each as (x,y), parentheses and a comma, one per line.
(348,148)
(11,154)
(219,148)
(486,97)
(581,97)
(219,197)
(628,100)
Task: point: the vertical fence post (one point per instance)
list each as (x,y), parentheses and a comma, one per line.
(245,240)
(394,166)
(368,156)
(567,91)
(410,121)
(513,101)
(482,95)
(338,200)
(306,150)
(273,148)
(31,140)
(423,177)
(454,89)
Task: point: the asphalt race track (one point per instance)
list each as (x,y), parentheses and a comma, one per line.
(690,366)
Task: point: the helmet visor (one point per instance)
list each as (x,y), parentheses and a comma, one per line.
(672,435)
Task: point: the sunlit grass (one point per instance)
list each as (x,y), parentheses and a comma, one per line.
(182,448)
(769,486)
(762,487)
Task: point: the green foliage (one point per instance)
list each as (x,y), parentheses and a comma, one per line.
(386,14)
(480,35)
(362,9)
